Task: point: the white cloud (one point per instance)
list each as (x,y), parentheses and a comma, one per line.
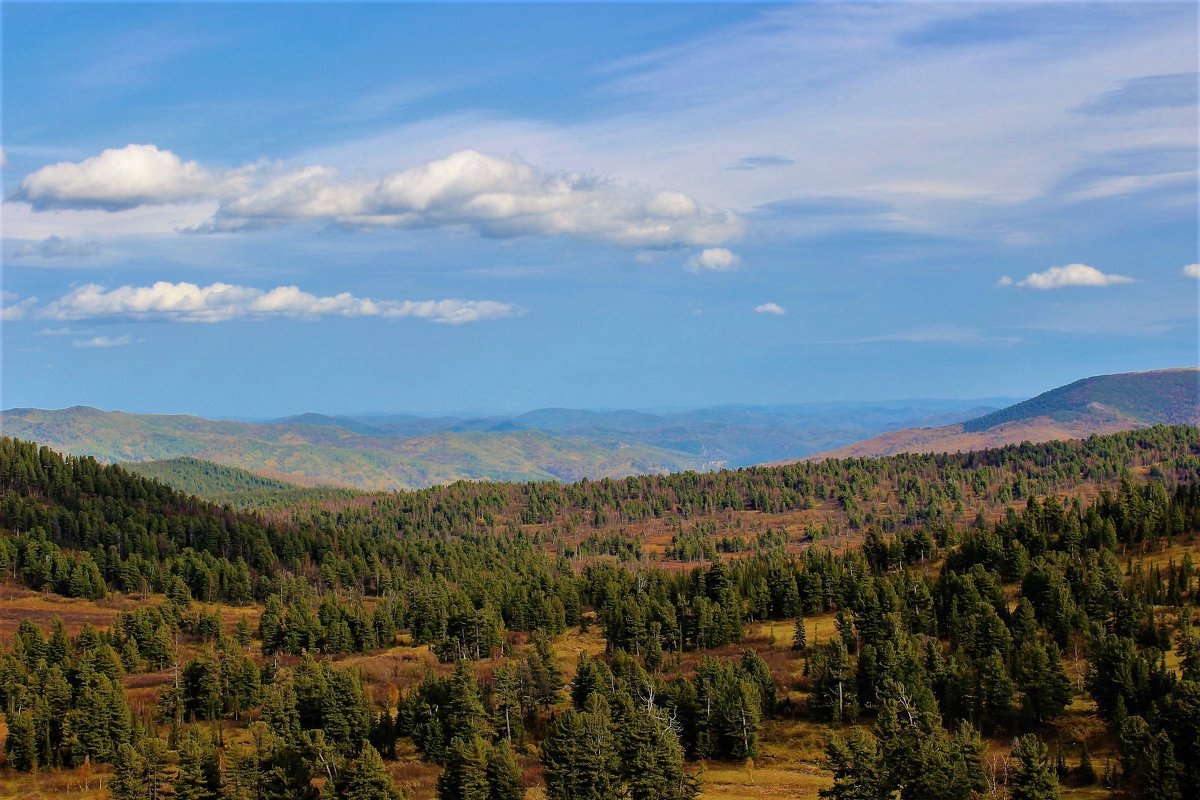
(1071,275)
(102,341)
(1004,281)
(134,175)
(714,259)
(3,158)
(500,197)
(13,307)
(770,308)
(1192,271)
(188,302)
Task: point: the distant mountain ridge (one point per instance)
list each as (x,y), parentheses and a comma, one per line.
(384,451)
(1097,405)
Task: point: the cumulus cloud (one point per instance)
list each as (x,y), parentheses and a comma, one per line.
(102,341)
(1192,271)
(770,308)
(58,247)
(118,178)
(499,197)
(714,259)
(188,302)
(1070,275)
(12,307)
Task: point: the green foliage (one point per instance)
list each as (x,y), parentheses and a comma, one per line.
(367,778)
(1033,776)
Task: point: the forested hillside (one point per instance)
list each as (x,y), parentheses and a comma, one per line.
(1097,405)
(230,485)
(1014,622)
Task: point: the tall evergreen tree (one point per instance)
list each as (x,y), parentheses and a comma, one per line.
(503,774)
(466,774)
(367,777)
(1033,775)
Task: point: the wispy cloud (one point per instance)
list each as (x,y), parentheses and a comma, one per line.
(770,308)
(1192,271)
(187,302)
(761,162)
(1178,90)
(938,334)
(63,331)
(498,197)
(1066,276)
(57,247)
(103,341)
(714,259)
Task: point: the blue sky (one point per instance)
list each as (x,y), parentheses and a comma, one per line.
(255,210)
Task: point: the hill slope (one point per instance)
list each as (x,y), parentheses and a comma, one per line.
(234,486)
(1098,405)
(328,454)
(403,451)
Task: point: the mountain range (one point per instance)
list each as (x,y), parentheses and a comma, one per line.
(1096,405)
(388,451)
(385,451)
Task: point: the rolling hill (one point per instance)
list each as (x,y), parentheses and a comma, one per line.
(233,486)
(386,451)
(1097,405)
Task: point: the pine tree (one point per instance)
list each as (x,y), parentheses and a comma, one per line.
(367,778)
(129,775)
(21,746)
(580,756)
(1033,776)
(1086,772)
(503,774)
(199,776)
(858,770)
(799,636)
(466,774)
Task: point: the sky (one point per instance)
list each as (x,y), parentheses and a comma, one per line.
(254,210)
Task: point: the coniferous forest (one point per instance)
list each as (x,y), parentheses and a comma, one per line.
(1012,623)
